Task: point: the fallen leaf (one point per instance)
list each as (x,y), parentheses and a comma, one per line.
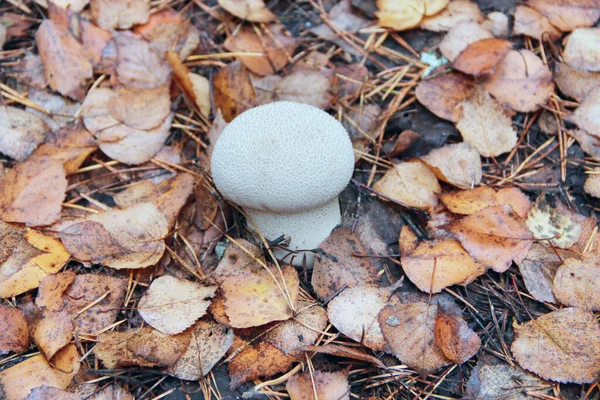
(157,347)
(233,92)
(567,16)
(130,238)
(354,312)
(33,192)
(458,342)
(345,352)
(443,94)
(497,23)
(577,283)
(319,385)
(435,265)
(532,23)
(172,305)
(521,81)
(562,346)
(168,31)
(485,126)
(589,143)
(457,11)
(592,184)
(61,109)
(95,41)
(400,15)
(32,69)
(409,330)
(253,361)
(52,332)
(277,47)
(586,115)
(137,65)
(410,183)
(462,35)
(52,287)
(111,349)
(336,267)
(482,56)
(260,297)
(458,164)
(404,142)
(239,259)
(467,202)
(582,51)
(14,335)
(112,392)
(140,108)
(20,132)
(538,270)
(557,223)
(120,14)
(574,83)
(495,236)
(195,87)
(49,392)
(250,10)
(55,255)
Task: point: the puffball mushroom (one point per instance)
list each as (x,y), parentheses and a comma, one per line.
(285,163)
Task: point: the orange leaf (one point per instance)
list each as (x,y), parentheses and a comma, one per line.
(14,335)
(458,342)
(481,57)
(443,94)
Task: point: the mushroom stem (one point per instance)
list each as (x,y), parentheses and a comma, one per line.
(306,229)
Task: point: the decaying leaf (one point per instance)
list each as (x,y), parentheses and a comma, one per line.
(172,305)
(569,15)
(467,202)
(410,183)
(112,350)
(458,342)
(52,287)
(120,14)
(20,132)
(558,224)
(337,267)
(233,92)
(443,94)
(251,10)
(577,283)
(538,270)
(494,236)
(586,115)
(532,23)
(137,64)
(347,352)
(400,15)
(458,164)
(52,332)
(462,35)
(140,108)
(582,51)
(562,346)
(130,238)
(574,83)
(14,335)
(521,81)
(482,56)
(325,385)
(457,11)
(157,347)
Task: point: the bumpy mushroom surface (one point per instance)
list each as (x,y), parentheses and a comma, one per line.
(285,163)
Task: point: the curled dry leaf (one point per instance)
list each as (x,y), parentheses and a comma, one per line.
(582,51)
(14,335)
(494,236)
(467,202)
(568,15)
(172,305)
(458,342)
(462,35)
(66,65)
(346,352)
(354,313)
(532,23)
(562,346)
(20,132)
(196,88)
(121,14)
(409,330)
(276,45)
(233,92)
(325,385)
(521,81)
(411,184)
(574,83)
(443,94)
(482,56)
(577,283)
(337,267)
(435,265)
(457,11)
(458,164)
(137,65)
(33,192)
(538,270)
(587,114)
(558,224)
(485,126)
(250,10)
(130,238)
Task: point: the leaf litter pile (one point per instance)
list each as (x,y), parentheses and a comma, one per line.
(467,263)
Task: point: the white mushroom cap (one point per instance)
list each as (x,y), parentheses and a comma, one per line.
(285,158)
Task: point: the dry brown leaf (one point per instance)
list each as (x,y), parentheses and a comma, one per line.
(409,330)
(140,108)
(94,40)
(497,23)
(33,192)
(277,47)
(111,349)
(462,35)
(443,94)
(532,23)
(20,132)
(521,81)
(494,236)
(168,31)
(337,267)
(587,114)
(592,184)
(61,109)
(17,381)
(400,15)
(562,346)
(52,332)
(208,344)
(52,287)
(458,164)
(250,10)
(467,202)
(568,15)
(482,56)
(172,305)
(137,65)
(346,352)
(574,83)
(319,385)
(70,145)
(14,335)
(233,92)
(410,183)
(557,223)
(458,342)
(119,14)
(238,259)
(589,143)
(485,126)
(354,313)
(582,51)
(66,65)
(130,238)
(158,348)
(435,265)
(577,283)
(538,270)
(51,393)
(457,11)
(195,87)
(254,361)
(260,297)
